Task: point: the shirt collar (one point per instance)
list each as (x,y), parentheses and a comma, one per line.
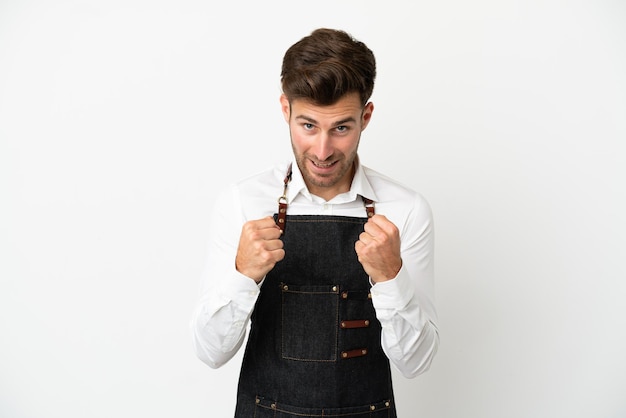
(360,185)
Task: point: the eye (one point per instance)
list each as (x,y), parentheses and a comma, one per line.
(342,129)
(308,126)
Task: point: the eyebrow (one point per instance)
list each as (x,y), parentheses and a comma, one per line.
(338,123)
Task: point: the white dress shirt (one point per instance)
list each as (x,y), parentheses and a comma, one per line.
(404,305)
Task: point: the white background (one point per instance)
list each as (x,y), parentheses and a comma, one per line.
(120,120)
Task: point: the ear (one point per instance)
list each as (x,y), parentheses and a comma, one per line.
(285,107)
(367,115)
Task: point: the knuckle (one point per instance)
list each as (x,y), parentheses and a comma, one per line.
(266,257)
(248,226)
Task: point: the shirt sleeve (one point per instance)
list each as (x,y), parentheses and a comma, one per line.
(227,298)
(405,305)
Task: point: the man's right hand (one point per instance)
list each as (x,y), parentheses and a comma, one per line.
(260,248)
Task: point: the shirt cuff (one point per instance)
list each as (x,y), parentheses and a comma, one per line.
(242,289)
(395,293)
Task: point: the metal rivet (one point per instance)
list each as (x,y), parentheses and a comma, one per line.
(363,352)
(344,354)
(334,288)
(343,324)
(285,287)
(258,400)
(367,322)
(283,210)
(372,407)
(273,406)
(387,403)
(369,295)
(281,221)
(344,295)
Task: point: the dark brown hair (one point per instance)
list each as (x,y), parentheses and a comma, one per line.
(326,65)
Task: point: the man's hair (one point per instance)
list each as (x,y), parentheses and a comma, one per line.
(326,65)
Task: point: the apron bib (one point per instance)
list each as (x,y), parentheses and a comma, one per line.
(314,344)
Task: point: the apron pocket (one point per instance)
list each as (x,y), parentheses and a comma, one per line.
(309,322)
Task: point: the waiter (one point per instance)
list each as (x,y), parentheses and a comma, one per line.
(329,262)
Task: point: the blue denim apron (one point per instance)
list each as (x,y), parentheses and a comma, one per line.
(314,344)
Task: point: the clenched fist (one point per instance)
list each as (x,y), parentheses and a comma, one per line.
(378,249)
(260,248)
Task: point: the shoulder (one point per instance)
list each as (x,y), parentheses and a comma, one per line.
(272,177)
(402,204)
(255,195)
(388,189)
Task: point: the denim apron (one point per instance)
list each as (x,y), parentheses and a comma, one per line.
(314,344)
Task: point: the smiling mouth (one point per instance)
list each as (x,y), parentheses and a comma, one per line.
(323,165)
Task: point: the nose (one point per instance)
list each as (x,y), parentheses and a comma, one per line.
(323,148)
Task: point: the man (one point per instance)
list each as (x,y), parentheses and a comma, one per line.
(330,262)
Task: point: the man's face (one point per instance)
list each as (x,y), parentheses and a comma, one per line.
(325,140)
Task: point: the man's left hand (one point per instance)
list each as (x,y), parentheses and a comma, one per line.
(378,249)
